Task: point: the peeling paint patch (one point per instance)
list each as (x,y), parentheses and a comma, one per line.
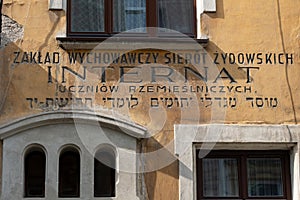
(11,31)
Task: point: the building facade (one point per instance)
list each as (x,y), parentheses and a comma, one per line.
(142,99)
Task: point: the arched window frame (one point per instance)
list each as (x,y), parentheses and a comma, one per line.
(106,148)
(40,126)
(62,150)
(28,150)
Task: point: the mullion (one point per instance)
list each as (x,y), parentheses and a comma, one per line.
(108,10)
(199,175)
(151,10)
(151,17)
(286,174)
(195,19)
(244,179)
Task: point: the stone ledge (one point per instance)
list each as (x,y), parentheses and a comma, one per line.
(74,116)
(123,43)
(185,135)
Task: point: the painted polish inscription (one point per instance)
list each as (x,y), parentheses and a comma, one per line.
(158,79)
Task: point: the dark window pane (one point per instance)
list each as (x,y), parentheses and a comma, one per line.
(69,174)
(129,14)
(220,177)
(177,15)
(87,16)
(264,177)
(35,165)
(104,174)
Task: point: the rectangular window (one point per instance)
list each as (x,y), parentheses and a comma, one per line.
(220,177)
(129,15)
(264,177)
(107,17)
(176,15)
(244,175)
(87,16)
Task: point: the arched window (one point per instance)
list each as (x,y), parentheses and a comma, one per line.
(35,169)
(104,173)
(69,173)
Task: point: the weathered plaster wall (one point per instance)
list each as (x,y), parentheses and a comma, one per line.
(261,26)
(11,31)
(246,27)
(1,158)
(243,26)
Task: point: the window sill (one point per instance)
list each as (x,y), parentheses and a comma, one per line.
(116,43)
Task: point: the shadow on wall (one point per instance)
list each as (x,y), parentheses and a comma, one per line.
(234,69)
(11,31)
(163,179)
(0,21)
(16,61)
(220,10)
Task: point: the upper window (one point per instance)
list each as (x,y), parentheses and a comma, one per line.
(243,175)
(35,169)
(106,17)
(69,173)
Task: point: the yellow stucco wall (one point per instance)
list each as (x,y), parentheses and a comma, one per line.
(256,26)
(238,27)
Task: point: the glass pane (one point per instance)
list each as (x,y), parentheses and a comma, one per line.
(87,16)
(220,177)
(129,14)
(69,174)
(177,15)
(104,174)
(264,177)
(35,165)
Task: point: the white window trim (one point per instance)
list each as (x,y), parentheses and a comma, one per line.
(203,6)
(188,138)
(209,6)
(55,4)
